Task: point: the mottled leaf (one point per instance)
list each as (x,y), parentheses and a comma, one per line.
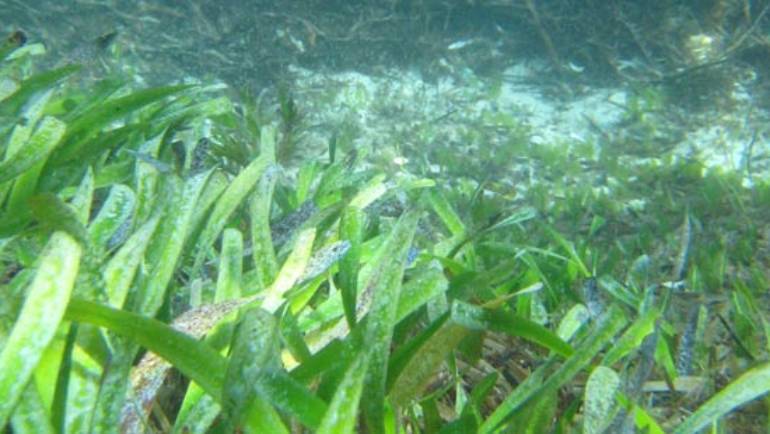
(42,142)
(599,401)
(39,318)
(230,266)
(232,197)
(385,289)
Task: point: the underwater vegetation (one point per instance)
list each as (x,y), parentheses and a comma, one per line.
(175,260)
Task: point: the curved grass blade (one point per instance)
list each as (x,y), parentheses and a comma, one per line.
(515,218)
(572,251)
(148,376)
(375,188)
(40,316)
(193,358)
(197,322)
(43,141)
(573,321)
(184,111)
(22,52)
(750,385)
(85,127)
(40,82)
(477,318)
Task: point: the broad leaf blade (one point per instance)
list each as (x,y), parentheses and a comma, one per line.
(39,318)
(752,384)
(193,358)
(381,319)
(599,401)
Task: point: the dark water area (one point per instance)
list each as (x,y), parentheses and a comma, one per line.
(251,44)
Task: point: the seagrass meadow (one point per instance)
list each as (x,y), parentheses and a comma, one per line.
(347,253)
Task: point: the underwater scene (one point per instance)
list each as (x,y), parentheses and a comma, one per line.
(385,217)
